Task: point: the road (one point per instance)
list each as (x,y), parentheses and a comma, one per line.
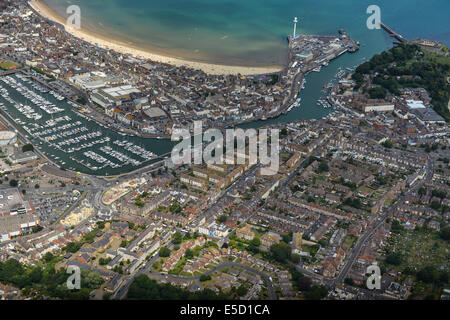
(331,283)
(369,232)
(121,293)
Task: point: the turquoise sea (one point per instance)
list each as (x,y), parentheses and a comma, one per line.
(251,32)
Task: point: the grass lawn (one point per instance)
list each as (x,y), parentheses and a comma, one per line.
(389,202)
(8,65)
(312,250)
(349,241)
(178,268)
(437,58)
(157,266)
(364,189)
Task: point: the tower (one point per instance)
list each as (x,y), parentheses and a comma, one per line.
(295,28)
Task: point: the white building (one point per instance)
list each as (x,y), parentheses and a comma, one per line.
(214,230)
(378,107)
(12,226)
(7,137)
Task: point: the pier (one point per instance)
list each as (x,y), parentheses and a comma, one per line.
(309,53)
(393,34)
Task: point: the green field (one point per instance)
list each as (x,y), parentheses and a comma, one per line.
(349,241)
(420,248)
(422,255)
(7,65)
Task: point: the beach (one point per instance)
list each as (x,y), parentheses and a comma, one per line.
(124,48)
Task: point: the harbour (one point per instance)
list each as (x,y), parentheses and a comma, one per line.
(68,135)
(77,141)
(70,139)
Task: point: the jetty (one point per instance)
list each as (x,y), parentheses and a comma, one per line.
(393,34)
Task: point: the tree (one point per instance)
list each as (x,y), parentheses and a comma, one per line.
(422,191)
(317,293)
(36,275)
(107,295)
(349,281)
(323,166)
(13,183)
(287,237)
(387,144)
(409,270)
(189,254)
(139,202)
(304,284)
(143,288)
(48,257)
(281,252)
(103,261)
(295,258)
(377,93)
(164,252)
(90,279)
(177,238)
(435,205)
(396,226)
(72,247)
(101,225)
(175,207)
(36,229)
(445,233)
(242,291)
(81,100)
(394,259)
(9,268)
(427,274)
(204,278)
(439,194)
(255,242)
(27,147)
(355,203)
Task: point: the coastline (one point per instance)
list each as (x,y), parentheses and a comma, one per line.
(108,43)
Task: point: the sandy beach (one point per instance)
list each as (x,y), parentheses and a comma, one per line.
(108,43)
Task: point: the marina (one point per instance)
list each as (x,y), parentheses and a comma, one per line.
(325,92)
(63,131)
(68,138)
